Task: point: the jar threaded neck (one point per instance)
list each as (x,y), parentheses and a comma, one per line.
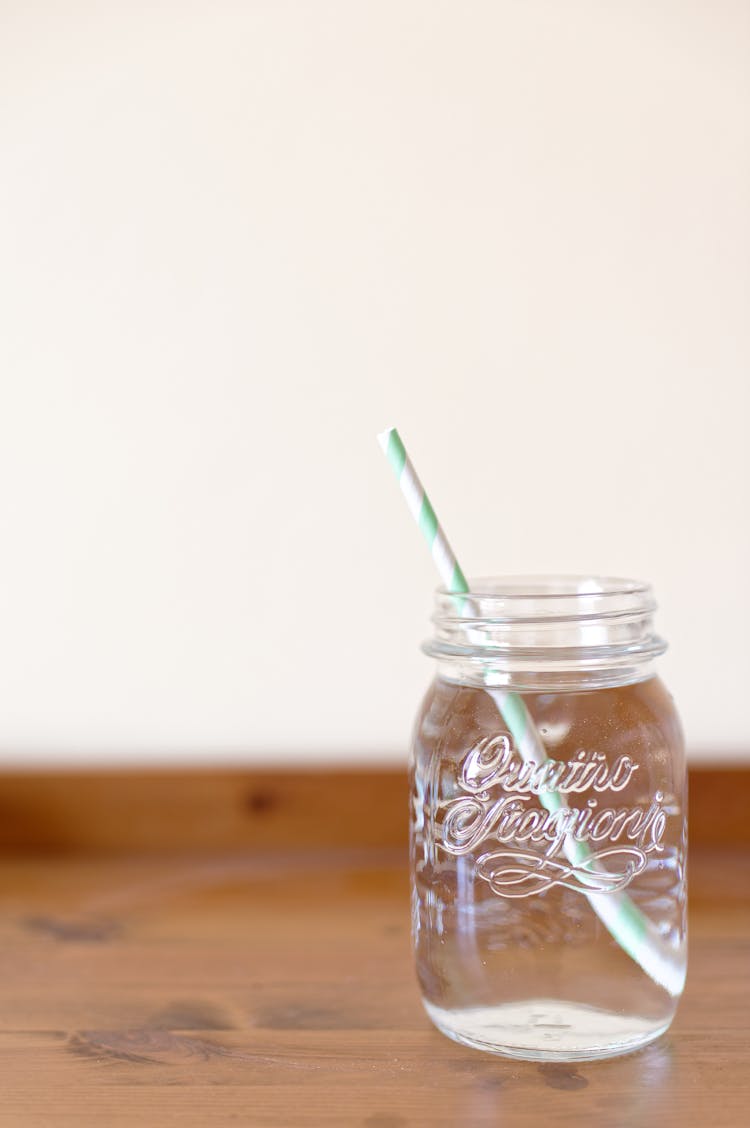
(546,630)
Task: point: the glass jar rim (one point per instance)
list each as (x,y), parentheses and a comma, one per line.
(547,598)
(549,586)
(536,625)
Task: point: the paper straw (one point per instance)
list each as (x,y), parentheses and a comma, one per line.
(633,931)
(422,511)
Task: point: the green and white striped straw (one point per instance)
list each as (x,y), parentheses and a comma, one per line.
(422,511)
(633,931)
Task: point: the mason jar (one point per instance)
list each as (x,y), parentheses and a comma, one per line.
(548,821)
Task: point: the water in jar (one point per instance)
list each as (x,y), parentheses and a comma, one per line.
(523,944)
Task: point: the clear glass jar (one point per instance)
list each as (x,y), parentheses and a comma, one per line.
(548,833)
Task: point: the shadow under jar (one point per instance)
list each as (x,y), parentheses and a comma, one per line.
(548,821)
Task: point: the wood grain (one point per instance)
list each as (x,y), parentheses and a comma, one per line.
(213,810)
(278,991)
(173,810)
(222,948)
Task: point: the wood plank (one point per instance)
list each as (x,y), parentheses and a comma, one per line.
(277,991)
(263,809)
(172,810)
(719,805)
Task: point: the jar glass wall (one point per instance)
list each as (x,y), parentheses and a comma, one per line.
(548,822)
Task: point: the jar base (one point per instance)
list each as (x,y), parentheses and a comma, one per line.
(546,1030)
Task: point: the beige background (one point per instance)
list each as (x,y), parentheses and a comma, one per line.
(238,239)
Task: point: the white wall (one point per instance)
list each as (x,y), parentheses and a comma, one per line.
(238,239)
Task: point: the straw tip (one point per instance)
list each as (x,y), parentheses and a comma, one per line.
(384,437)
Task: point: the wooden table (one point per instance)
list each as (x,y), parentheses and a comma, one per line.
(275,988)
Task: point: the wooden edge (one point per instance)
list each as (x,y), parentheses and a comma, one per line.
(156,811)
